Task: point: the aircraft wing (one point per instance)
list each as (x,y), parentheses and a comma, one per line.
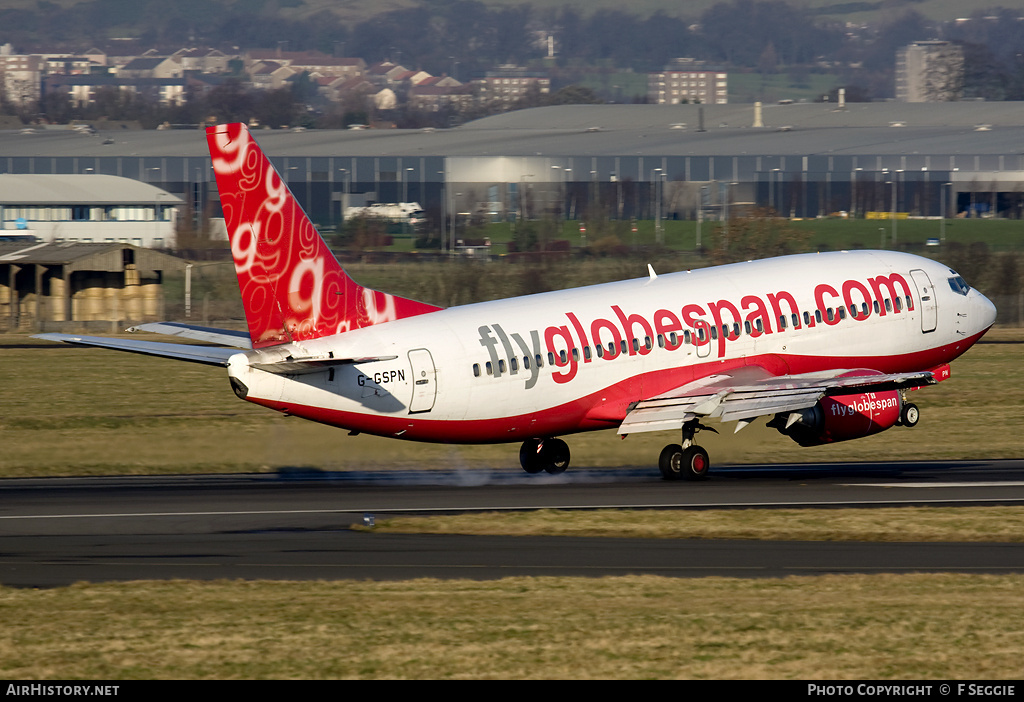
(224,337)
(209,355)
(752,392)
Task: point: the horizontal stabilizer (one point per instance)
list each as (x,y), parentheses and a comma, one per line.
(301,366)
(224,337)
(183,352)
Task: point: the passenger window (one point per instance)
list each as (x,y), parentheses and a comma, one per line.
(782,322)
(746,327)
(476,370)
(526,363)
(661,341)
(513,363)
(540,360)
(600,351)
(864,309)
(586,353)
(842,313)
(687,337)
(490,369)
(759,325)
(817,316)
(576,355)
(673,338)
(714,332)
(501,365)
(563,357)
(899,304)
(796,320)
(888,305)
(551,359)
(625,349)
(876,306)
(648,343)
(807,318)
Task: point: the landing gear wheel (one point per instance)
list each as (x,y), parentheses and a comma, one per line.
(550,455)
(670,462)
(677,463)
(695,463)
(910,415)
(555,454)
(529,456)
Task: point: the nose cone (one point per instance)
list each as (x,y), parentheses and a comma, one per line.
(983,311)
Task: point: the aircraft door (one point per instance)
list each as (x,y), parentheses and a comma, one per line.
(702,338)
(929,304)
(424,381)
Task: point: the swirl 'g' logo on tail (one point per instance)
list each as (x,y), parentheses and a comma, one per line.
(293,288)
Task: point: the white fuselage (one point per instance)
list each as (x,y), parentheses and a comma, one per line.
(530,366)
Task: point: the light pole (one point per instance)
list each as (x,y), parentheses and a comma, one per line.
(657,204)
(563,211)
(894,191)
(777,174)
(700,213)
(855,176)
(345,179)
(405,185)
(942,214)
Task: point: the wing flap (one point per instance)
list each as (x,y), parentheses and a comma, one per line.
(742,397)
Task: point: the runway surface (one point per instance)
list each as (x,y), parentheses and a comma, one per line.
(295,524)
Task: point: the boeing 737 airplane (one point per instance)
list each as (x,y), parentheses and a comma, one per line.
(824,345)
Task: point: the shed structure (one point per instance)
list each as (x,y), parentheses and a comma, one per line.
(72,286)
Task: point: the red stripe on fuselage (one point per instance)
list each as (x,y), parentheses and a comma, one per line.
(603,409)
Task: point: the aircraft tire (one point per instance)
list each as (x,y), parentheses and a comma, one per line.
(529,457)
(670,462)
(554,455)
(910,415)
(695,463)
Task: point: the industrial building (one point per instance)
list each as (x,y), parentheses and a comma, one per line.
(86,208)
(638,161)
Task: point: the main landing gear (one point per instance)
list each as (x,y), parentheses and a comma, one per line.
(548,455)
(677,462)
(687,461)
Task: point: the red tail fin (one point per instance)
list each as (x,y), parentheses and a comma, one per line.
(292,286)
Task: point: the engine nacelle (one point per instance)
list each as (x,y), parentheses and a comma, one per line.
(841,418)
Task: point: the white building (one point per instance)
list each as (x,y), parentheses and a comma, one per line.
(87,208)
(930,71)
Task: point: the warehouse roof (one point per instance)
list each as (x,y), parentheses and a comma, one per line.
(88,189)
(77,256)
(982,128)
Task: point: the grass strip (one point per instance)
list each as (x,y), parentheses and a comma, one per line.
(893,524)
(919,626)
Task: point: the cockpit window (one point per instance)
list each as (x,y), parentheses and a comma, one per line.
(959,285)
